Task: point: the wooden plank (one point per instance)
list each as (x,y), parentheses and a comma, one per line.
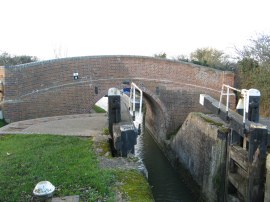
(239,155)
(240,183)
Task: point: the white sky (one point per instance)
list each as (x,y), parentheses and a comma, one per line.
(125,27)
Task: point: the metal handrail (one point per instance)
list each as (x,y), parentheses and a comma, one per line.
(133,88)
(228,96)
(243,93)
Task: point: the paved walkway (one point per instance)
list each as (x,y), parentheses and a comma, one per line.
(77,125)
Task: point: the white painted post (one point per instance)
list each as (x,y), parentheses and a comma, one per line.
(130,97)
(221,94)
(134,86)
(244,93)
(227,101)
(134,96)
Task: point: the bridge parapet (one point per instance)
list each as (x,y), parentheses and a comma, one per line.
(48,88)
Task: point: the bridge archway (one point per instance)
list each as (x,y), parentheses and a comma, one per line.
(156,116)
(48,88)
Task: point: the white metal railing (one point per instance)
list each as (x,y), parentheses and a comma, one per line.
(132,99)
(227,93)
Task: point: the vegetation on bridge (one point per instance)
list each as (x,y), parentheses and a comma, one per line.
(6,59)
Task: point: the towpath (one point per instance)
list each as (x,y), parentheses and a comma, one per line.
(76,125)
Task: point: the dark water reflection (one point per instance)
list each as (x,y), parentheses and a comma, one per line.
(166,183)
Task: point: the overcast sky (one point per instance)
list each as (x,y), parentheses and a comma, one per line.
(124,27)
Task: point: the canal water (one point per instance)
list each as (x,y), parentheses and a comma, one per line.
(166,184)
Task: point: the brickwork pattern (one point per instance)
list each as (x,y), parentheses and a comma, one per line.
(2,76)
(47,88)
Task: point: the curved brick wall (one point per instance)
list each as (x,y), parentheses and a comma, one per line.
(47,88)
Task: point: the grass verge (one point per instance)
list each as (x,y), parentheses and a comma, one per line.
(67,162)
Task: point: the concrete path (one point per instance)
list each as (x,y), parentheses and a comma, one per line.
(77,125)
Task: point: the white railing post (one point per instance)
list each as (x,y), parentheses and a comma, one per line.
(221,94)
(134,87)
(134,99)
(244,93)
(227,101)
(130,97)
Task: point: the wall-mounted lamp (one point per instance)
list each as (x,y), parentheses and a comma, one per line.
(75,75)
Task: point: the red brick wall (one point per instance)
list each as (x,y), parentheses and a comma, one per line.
(2,76)
(47,88)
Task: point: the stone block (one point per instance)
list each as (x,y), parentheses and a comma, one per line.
(75,198)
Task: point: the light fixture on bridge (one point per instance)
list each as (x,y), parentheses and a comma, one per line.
(75,75)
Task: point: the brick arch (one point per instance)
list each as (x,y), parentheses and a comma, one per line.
(152,96)
(47,88)
(157,117)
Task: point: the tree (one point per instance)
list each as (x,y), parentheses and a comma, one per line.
(6,59)
(253,69)
(161,55)
(211,57)
(247,64)
(258,50)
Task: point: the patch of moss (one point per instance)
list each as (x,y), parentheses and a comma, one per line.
(133,185)
(211,121)
(103,148)
(133,159)
(106,131)
(224,129)
(221,128)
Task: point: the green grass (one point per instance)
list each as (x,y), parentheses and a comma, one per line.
(67,162)
(98,109)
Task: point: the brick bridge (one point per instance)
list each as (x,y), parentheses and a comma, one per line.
(48,88)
